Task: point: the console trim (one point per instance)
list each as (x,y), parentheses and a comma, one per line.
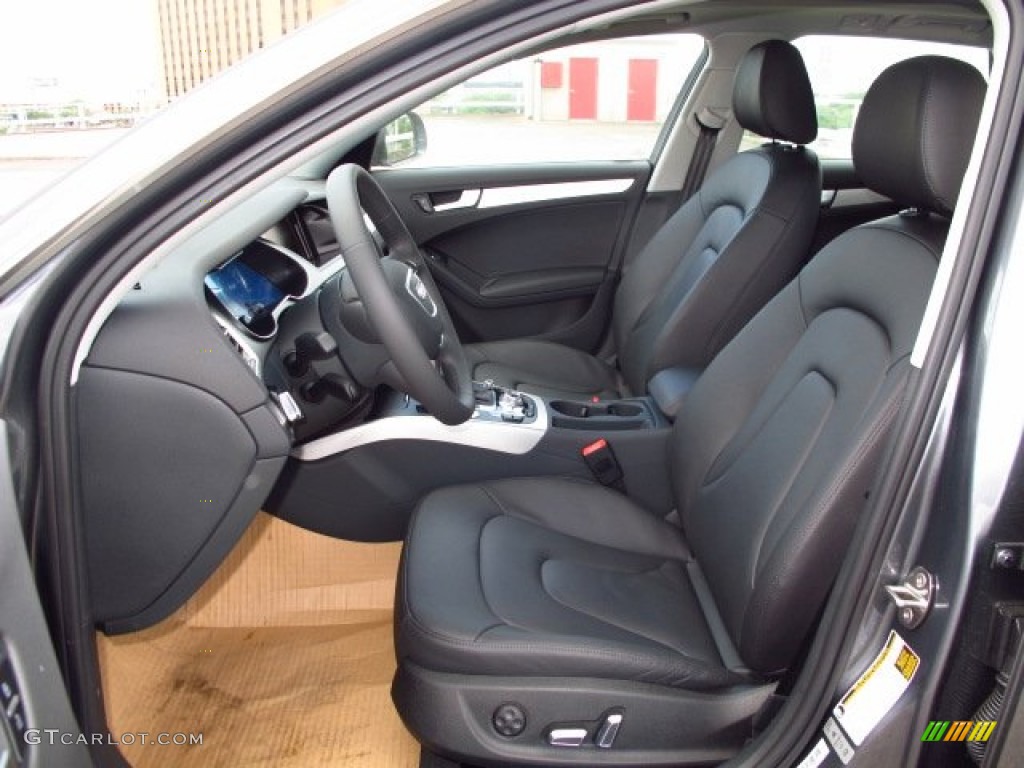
(504,437)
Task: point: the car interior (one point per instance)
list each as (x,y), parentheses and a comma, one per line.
(526,463)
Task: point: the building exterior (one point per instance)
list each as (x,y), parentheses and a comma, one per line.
(199,38)
(626,80)
(631,79)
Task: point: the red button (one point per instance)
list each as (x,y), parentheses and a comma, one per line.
(595,446)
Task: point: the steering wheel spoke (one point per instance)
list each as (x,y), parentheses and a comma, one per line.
(400,299)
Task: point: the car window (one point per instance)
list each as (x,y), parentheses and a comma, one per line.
(841,71)
(604,100)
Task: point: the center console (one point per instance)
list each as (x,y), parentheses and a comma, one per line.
(363,483)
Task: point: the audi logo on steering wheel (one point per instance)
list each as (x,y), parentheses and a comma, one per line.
(418,290)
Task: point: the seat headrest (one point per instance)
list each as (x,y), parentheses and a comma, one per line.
(915,130)
(772,94)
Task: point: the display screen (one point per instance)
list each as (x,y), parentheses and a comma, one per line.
(244,292)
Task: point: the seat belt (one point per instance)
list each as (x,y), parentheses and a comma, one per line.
(710,123)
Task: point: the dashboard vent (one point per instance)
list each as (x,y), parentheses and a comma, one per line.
(248,356)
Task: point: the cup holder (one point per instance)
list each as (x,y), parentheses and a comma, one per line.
(575,410)
(616,414)
(625,410)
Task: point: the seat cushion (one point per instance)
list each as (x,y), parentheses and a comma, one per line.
(544,368)
(552,577)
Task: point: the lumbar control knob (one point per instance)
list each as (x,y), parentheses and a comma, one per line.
(509,720)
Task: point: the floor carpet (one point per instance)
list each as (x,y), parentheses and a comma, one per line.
(284,658)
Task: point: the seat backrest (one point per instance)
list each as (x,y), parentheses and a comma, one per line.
(738,240)
(779,442)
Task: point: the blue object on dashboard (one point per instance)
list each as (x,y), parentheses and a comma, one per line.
(244,293)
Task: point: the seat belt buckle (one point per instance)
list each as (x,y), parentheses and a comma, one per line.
(601,460)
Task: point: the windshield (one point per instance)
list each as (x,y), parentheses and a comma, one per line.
(70,89)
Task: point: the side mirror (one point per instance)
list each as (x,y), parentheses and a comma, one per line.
(400,140)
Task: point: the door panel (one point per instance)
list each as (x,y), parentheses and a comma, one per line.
(524,250)
(582,88)
(32,693)
(643,89)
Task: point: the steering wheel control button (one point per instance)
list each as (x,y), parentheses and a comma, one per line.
(609,729)
(509,720)
(567,737)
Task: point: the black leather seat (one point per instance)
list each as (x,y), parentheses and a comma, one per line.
(711,266)
(569,603)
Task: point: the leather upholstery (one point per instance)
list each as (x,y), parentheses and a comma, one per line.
(779,441)
(772,458)
(728,250)
(711,266)
(772,96)
(572,580)
(916,150)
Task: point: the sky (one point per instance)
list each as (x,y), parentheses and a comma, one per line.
(107,50)
(98,50)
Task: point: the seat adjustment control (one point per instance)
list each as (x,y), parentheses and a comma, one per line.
(509,720)
(609,729)
(567,737)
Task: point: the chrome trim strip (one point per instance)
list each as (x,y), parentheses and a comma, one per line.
(503,437)
(468,198)
(494,197)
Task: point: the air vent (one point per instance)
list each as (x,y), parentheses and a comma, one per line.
(249,357)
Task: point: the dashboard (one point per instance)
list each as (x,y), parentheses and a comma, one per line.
(246,294)
(267,298)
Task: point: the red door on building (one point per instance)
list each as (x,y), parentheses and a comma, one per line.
(643,89)
(582,89)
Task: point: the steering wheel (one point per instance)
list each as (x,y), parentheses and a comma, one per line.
(397,294)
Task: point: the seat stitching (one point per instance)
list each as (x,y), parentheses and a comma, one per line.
(494,499)
(595,617)
(808,451)
(737,309)
(479,565)
(708,479)
(865,445)
(507,645)
(882,225)
(800,299)
(896,362)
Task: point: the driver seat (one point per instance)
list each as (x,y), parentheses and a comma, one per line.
(550,620)
(711,266)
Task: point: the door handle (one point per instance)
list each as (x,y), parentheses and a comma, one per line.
(439,202)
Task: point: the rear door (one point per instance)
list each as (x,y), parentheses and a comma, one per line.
(533,173)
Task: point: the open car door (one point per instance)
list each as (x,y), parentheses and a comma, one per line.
(37,727)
